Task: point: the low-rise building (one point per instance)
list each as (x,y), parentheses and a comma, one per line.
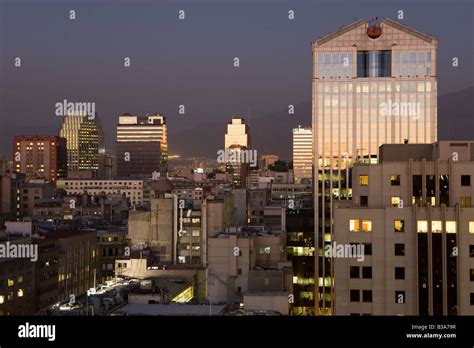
(131,188)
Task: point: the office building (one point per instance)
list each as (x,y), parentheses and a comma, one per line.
(78,261)
(42,157)
(372,84)
(17,288)
(142,145)
(237,151)
(131,188)
(111,245)
(302,154)
(85,145)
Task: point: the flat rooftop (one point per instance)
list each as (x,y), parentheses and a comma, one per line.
(173,309)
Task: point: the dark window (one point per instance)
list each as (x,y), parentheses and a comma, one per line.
(465,180)
(417,190)
(399,272)
(355,295)
(471,274)
(374,63)
(444,189)
(239,289)
(364,201)
(239,271)
(399,249)
(355,272)
(472,298)
(362,62)
(367,295)
(368,249)
(399,296)
(430,188)
(471,250)
(367,272)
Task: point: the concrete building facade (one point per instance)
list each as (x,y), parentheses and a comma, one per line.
(413,214)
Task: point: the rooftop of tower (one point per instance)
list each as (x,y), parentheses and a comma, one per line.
(385,21)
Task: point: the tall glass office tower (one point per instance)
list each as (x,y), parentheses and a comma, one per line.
(142,145)
(236,140)
(85,144)
(302,153)
(372,84)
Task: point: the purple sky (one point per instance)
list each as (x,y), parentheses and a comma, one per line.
(189,61)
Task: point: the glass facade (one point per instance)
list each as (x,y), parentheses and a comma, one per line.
(385,91)
(85,143)
(374,63)
(302,153)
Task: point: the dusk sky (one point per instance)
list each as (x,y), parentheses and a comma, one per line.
(189,61)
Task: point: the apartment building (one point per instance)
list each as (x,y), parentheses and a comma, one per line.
(413,214)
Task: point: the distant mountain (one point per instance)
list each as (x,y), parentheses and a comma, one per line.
(456,115)
(271,133)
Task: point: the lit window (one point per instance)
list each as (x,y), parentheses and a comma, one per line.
(395,180)
(20,279)
(465,201)
(451,227)
(2,299)
(471,226)
(264,251)
(399,225)
(363,180)
(20,293)
(366,225)
(436,226)
(422,226)
(395,201)
(353,225)
(11,282)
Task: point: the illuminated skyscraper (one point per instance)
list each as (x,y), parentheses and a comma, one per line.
(40,156)
(237,133)
(302,153)
(85,144)
(237,140)
(142,144)
(372,84)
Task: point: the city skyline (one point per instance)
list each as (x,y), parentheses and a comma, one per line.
(236,159)
(283,78)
